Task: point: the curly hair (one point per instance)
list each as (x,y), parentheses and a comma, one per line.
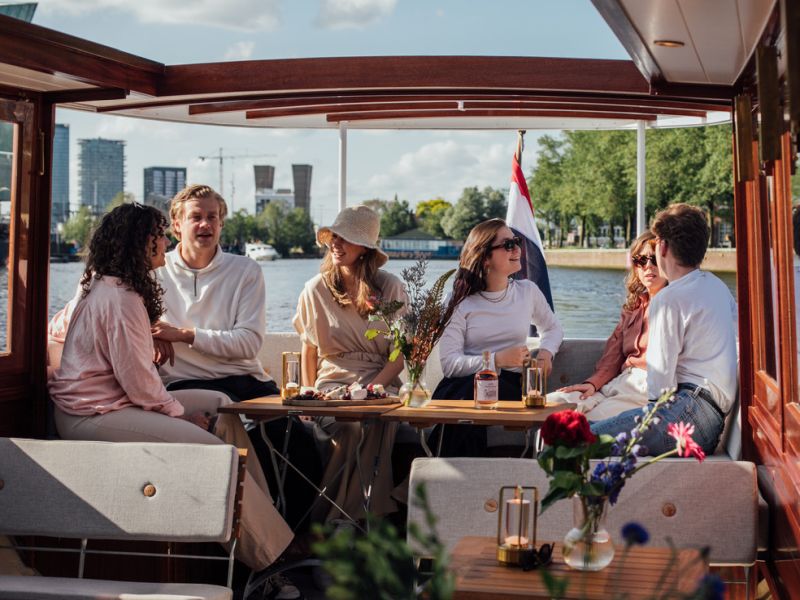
(366,269)
(633,286)
(119,248)
(471,275)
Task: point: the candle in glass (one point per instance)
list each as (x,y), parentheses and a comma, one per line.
(517,519)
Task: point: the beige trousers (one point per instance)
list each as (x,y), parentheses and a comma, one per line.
(627,390)
(264,535)
(339,442)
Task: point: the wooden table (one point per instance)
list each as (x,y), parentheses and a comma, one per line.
(511,414)
(479,576)
(267,408)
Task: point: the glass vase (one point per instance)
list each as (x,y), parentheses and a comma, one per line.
(414,392)
(588,546)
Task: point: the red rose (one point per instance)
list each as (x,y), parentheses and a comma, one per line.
(567,428)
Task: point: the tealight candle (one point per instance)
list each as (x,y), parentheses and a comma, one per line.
(517,519)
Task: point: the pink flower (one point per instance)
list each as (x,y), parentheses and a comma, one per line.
(682,432)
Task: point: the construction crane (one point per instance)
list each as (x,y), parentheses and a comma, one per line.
(222,158)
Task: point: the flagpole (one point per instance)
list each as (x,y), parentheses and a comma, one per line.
(520,145)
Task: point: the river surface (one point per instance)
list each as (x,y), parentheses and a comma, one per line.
(587,301)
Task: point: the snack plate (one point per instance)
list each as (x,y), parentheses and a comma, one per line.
(318,402)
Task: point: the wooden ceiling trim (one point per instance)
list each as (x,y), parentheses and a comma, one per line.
(620,23)
(411,114)
(405,72)
(44,50)
(85,95)
(468,107)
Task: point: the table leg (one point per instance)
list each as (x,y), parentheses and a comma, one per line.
(280,504)
(424,442)
(527,443)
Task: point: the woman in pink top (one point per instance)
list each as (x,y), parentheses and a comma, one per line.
(619,382)
(108,389)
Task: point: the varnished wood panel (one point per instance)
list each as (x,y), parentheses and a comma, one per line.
(391,72)
(421,114)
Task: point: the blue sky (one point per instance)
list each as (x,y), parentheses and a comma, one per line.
(415,165)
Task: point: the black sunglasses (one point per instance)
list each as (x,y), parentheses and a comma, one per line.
(532,559)
(509,244)
(641,260)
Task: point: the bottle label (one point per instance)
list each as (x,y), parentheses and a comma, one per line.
(487,391)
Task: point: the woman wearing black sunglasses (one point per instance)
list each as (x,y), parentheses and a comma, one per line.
(619,382)
(490,311)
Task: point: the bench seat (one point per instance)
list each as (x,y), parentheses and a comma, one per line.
(18,587)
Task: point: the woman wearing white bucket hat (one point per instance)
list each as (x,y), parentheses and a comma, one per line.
(332,319)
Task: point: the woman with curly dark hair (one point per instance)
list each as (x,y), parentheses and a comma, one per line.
(107,387)
(619,382)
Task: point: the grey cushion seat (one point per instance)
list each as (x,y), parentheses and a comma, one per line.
(58,588)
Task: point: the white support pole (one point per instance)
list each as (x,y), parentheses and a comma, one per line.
(641,218)
(342,165)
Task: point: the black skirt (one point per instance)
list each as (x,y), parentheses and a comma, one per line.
(469,440)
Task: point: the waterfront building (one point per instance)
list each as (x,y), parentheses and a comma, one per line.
(302,186)
(161,184)
(60,176)
(23,11)
(418,243)
(102,172)
(283,195)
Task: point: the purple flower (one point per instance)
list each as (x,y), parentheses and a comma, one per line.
(633,534)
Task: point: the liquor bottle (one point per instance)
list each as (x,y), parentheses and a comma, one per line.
(487,385)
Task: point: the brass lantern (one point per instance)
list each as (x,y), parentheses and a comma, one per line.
(516,523)
(290,383)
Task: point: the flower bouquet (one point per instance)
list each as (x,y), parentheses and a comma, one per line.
(415,329)
(566,460)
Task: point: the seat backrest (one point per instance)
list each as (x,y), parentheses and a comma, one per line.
(102,490)
(710,504)
(272,347)
(574,362)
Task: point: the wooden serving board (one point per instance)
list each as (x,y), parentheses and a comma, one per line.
(366,402)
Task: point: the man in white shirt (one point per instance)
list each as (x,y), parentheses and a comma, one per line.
(692,344)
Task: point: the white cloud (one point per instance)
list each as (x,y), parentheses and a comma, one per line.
(248,15)
(240,51)
(440,168)
(340,14)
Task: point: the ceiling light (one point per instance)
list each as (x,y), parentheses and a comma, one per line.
(669,43)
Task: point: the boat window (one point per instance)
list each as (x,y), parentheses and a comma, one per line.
(771,325)
(6,195)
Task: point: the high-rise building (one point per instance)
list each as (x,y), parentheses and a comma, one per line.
(102,172)
(23,10)
(161,184)
(265,177)
(60,176)
(302,186)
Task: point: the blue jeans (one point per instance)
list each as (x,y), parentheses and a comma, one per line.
(708,423)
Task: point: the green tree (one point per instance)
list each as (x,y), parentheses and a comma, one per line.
(397,218)
(495,203)
(464,215)
(79,227)
(376,204)
(429,215)
(299,231)
(120,199)
(240,228)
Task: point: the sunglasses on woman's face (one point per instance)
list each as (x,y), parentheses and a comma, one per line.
(641,260)
(508,245)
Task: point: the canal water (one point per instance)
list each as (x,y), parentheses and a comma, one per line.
(587,301)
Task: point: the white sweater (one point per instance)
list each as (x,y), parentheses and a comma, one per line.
(494,321)
(225,303)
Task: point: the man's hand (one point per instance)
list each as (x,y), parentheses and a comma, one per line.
(586,389)
(163,352)
(168,333)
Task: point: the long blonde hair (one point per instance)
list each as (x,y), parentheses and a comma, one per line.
(365,270)
(633,285)
(471,274)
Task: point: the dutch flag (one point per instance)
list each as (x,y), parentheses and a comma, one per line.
(522,221)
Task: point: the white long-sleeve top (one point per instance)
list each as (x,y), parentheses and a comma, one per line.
(693,337)
(494,321)
(225,303)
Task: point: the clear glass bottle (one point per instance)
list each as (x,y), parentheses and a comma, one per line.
(487,385)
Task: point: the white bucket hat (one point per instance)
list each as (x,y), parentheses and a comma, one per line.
(358,225)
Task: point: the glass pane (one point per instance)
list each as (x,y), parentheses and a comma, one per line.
(6,162)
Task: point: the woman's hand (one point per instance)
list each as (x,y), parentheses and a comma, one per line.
(586,389)
(545,360)
(511,357)
(201,419)
(169,333)
(163,352)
